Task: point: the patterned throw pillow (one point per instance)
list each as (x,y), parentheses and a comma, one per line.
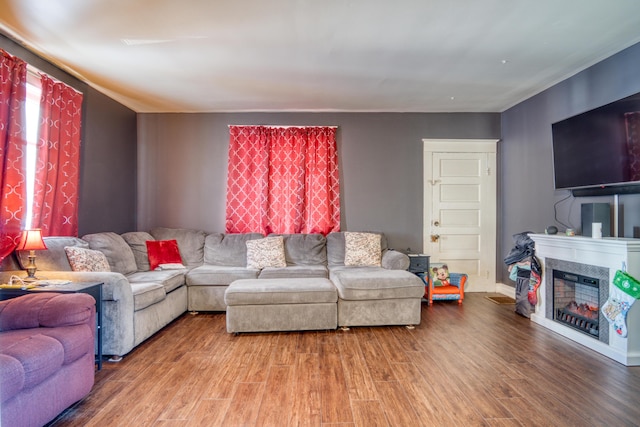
(362,249)
(82,259)
(267,252)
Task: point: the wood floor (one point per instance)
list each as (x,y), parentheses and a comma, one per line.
(478,364)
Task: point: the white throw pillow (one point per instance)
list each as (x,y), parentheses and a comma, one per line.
(82,259)
(266,252)
(362,249)
(171,266)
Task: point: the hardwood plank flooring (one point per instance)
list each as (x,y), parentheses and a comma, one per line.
(478,364)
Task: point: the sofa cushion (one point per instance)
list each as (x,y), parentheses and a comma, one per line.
(40,356)
(118,252)
(305,249)
(169,279)
(163,252)
(67,310)
(280,291)
(375,283)
(45,309)
(137,241)
(82,259)
(362,249)
(336,247)
(190,243)
(294,271)
(266,252)
(76,340)
(146,294)
(54,258)
(219,275)
(395,260)
(11,377)
(228,249)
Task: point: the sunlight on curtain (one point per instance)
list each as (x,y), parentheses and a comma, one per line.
(57,178)
(32,118)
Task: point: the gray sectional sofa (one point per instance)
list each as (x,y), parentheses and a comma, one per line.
(138,302)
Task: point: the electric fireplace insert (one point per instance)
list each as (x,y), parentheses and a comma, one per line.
(576,301)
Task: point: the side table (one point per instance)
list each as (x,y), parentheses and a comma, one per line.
(419,265)
(92,288)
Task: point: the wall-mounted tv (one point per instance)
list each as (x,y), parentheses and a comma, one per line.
(599,149)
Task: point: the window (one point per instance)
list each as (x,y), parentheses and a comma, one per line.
(283,180)
(39,153)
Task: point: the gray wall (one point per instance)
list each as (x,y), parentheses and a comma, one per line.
(109,166)
(526,185)
(108,153)
(183,160)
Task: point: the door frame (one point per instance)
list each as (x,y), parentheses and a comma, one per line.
(452,146)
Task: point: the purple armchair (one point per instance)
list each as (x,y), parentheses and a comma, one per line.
(47,361)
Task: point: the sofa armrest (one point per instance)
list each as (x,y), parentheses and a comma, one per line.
(394,260)
(117,308)
(46,310)
(458,280)
(116,286)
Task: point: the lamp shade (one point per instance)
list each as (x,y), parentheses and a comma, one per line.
(31,240)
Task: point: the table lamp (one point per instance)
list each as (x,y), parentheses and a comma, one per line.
(31,240)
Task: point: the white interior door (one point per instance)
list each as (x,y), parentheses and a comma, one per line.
(460,208)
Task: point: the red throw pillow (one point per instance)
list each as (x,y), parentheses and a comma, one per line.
(162,252)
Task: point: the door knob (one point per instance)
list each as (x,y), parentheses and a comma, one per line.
(436,223)
(434,238)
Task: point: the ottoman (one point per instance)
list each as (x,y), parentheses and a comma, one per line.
(374,296)
(287,304)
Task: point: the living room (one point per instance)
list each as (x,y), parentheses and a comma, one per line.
(111,202)
(140,170)
(396,170)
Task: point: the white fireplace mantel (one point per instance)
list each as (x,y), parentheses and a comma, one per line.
(611,253)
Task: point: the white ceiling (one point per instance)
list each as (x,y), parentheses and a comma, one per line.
(332,55)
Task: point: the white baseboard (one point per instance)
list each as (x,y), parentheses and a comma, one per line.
(500,288)
(507,290)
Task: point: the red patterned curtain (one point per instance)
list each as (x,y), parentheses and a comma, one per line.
(13,94)
(55,202)
(283,180)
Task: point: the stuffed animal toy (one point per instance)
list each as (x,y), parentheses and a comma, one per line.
(441,275)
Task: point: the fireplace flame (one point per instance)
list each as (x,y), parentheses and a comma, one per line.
(585,310)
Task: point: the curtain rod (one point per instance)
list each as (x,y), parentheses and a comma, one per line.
(285,126)
(37,73)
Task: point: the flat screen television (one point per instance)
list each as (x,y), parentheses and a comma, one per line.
(599,149)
